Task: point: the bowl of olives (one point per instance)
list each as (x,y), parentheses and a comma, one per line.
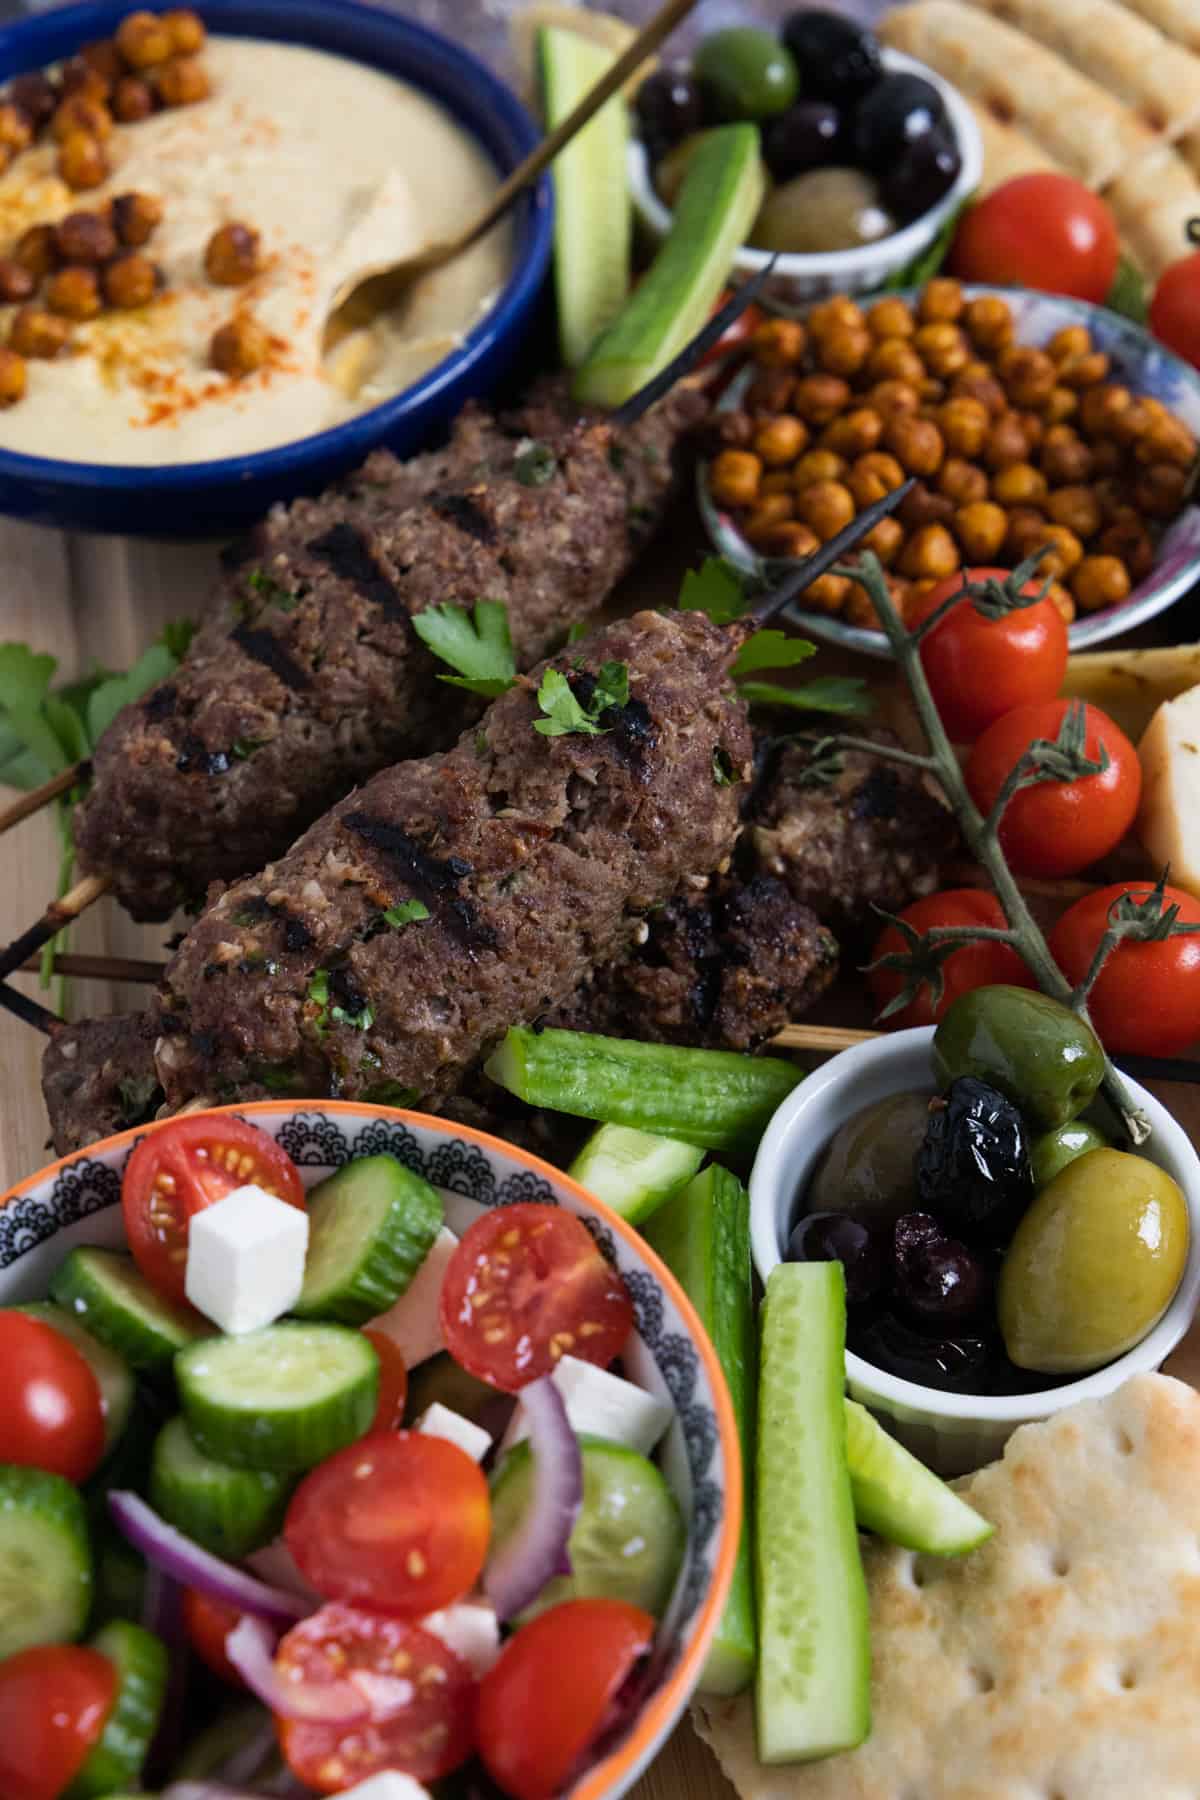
(1006,1253)
(868,152)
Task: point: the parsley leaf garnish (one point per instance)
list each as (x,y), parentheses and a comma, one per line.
(481,650)
(846,694)
(408,912)
(716,589)
(271,591)
(772,650)
(566,713)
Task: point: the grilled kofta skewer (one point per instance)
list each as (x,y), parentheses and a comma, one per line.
(307,675)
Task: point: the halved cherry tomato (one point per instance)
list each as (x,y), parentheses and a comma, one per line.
(1146,1000)
(1175,308)
(54,1703)
(178,1171)
(1057,827)
(398,1522)
(974,966)
(423,1723)
(546,1699)
(1043,231)
(393,1382)
(979,669)
(208,1623)
(52,1416)
(526,1286)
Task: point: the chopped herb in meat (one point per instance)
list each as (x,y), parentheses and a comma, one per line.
(338,1002)
(271,592)
(538,464)
(722,767)
(408,912)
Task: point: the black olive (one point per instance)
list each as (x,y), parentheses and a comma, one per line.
(927,170)
(958,1364)
(937,1279)
(973,1168)
(805,137)
(901,109)
(838,60)
(668,107)
(835,1237)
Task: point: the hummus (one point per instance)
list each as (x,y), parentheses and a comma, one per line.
(339,168)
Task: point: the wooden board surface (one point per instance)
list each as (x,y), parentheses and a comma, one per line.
(101,600)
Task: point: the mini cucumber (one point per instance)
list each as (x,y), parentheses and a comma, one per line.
(814,1662)
(718,202)
(703,1236)
(108,1294)
(45,1560)
(115,1760)
(282,1398)
(229,1511)
(628,1539)
(113,1374)
(633,1172)
(370,1229)
(593,213)
(900,1499)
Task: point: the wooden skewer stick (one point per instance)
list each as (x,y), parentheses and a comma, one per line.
(827,1039)
(50,790)
(59,913)
(29,1011)
(98,968)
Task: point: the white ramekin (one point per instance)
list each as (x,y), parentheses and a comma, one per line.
(798,279)
(950,1432)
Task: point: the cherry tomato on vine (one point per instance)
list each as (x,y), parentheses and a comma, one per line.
(54,1703)
(1146,1000)
(208,1623)
(1042,231)
(979,668)
(178,1171)
(393,1381)
(1057,828)
(52,1417)
(580,1653)
(1175,308)
(973,966)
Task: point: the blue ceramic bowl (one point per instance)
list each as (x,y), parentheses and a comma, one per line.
(196,499)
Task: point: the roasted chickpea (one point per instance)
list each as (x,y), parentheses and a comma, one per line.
(963,423)
(989,321)
(894,359)
(1005,443)
(827,506)
(818,465)
(103,56)
(79,113)
(942,348)
(931,392)
(779,343)
(80,80)
(916,444)
(1069,341)
(1113,498)
(1064,553)
(182,82)
(136,217)
(923,505)
(843,352)
(1061,404)
(232,255)
(788,538)
(778,481)
(16,132)
(36,96)
(130,280)
(239,347)
(35,332)
(885,540)
(769,510)
(1101,407)
(85,237)
(930,554)
(1019,484)
(941,300)
(891,318)
(961,481)
(1034,428)
(1127,540)
(1106,457)
(1085,371)
(827,594)
(978,383)
(74,292)
(37,251)
(1167,441)
(132,100)
(186,30)
(770,392)
(820,398)
(734,478)
(872,476)
(1066,460)
(13,375)
(779,441)
(838,313)
(1075,507)
(859,608)
(1028,375)
(855,433)
(1100,581)
(1159,490)
(888,398)
(144,40)
(16,283)
(81,161)
(981,527)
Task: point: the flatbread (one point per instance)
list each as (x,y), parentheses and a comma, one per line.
(1008,153)
(1129,58)
(1061,1661)
(1073,119)
(1152,202)
(1177,19)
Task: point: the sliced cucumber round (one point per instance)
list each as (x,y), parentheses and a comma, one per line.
(370,1228)
(628,1539)
(230,1511)
(900,1499)
(113,1374)
(45,1560)
(107,1293)
(115,1760)
(282,1398)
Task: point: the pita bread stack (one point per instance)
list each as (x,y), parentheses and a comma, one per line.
(1061,1661)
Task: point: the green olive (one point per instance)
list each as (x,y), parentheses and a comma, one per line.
(1050,1153)
(1093,1265)
(1035,1050)
(745,73)
(825,209)
(868,1170)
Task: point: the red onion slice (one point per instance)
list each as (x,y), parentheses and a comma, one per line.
(537,1550)
(184,1561)
(250,1647)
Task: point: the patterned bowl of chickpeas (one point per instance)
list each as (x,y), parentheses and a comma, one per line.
(1029,420)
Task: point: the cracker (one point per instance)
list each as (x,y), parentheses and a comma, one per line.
(1177,19)
(1152,202)
(1007,153)
(1061,1661)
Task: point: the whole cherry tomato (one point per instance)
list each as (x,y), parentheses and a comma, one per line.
(1043,231)
(54,1704)
(1056,827)
(974,966)
(1175,308)
(1146,1000)
(393,1381)
(52,1415)
(980,668)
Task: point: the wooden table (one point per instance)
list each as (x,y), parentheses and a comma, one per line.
(102,600)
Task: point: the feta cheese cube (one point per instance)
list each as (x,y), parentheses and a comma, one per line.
(472,1631)
(414,1322)
(389,1785)
(245,1259)
(602,1405)
(442,1421)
